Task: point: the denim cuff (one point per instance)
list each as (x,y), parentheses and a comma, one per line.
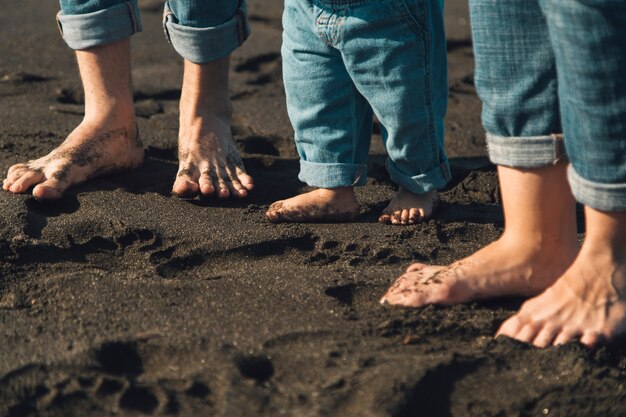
(202,45)
(599,196)
(332,175)
(82,31)
(435,179)
(526,152)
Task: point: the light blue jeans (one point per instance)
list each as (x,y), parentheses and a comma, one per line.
(552,78)
(200,30)
(344,60)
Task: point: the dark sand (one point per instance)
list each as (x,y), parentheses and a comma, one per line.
(123,300)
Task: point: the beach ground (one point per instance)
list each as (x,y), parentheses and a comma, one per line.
(124,300)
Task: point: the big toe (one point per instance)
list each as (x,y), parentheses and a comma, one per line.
(46,191)
(273,213)
(185,188)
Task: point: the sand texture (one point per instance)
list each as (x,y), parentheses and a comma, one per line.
(123,300)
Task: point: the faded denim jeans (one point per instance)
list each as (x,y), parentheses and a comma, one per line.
(345,60)
(200,30)
(552,78)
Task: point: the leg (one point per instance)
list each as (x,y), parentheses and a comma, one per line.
(589,299)
(405,82)
(539,241)
(332,121)
(204,34)
(107,139)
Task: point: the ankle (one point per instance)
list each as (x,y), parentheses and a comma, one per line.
(193,108)
(117,115)
(540,248)
(338,193)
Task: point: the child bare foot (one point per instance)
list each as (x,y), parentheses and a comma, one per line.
(335,204)
(210,163)
(91,150)
(409,208)
(505,267)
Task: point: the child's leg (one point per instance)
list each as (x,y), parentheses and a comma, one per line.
(395,53)
(332,121)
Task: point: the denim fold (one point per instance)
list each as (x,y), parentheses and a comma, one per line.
(549,67)
(205,44)
(332,175)
(101,27)
(526,152)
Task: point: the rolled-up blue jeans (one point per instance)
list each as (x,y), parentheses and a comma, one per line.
(200,30)
(345,60)
(552,78)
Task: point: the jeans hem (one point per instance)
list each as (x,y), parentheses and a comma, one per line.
(526,152)
(83,31)
(599,196)
(332,175)
(435,179)
(202,45)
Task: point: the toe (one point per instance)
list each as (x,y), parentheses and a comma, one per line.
(384,218)
(14,175)
(590,339)
(422,214)
(23,183)
(546,336)
(510,328)
(246,180)
(16,167)
(206,184)
(186,184)
(237,189)
(565,336)
(222,189)
(185,188)
(50,189)
(414,216)
(528,333)
(396,217)
(404,216)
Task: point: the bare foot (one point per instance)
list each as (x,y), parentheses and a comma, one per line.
(209,161)
(336,204)
(409,208)
(587,302)
(91,150)
(506,267)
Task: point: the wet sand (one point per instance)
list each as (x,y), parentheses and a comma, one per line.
(123,300)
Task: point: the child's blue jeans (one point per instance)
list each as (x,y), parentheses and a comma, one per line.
(200,30)
(552,78)
(343,59)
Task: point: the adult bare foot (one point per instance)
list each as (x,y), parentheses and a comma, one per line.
(409,208)
(91,150)
(507,267)
(539,243)
(106,141)
(324,204)
(209,161)
(588,301)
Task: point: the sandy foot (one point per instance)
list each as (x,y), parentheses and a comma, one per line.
(91,150)
(409,208)
(337,205)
